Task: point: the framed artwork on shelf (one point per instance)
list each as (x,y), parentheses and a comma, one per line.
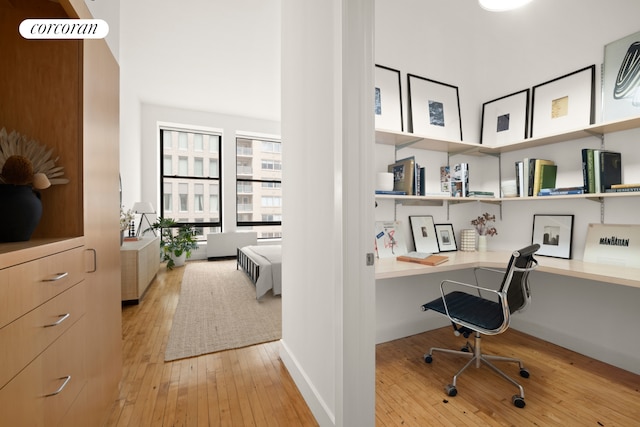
(434,109)
(424,234)
(621,79)
(505,119)
(554,234)
(388,99)
(446,238)
(564,103)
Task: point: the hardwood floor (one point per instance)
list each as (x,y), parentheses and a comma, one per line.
(251,387)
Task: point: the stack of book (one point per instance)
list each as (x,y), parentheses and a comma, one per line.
(533,175)
(408,178)
(601,169)
(623,188)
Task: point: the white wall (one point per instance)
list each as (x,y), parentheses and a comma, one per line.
(488,55)
(327,129)
(207,56)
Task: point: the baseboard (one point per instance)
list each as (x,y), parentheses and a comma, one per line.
(407,329)
(319,409)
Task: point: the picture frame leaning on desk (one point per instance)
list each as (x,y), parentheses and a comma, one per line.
(554,234)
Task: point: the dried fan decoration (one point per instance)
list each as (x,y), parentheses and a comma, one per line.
(14,144)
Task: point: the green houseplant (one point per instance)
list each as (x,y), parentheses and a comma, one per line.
(176,242)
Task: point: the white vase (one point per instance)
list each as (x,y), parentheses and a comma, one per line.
(179,261)
(482,243)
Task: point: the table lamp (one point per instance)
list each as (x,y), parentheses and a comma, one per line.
(144,208)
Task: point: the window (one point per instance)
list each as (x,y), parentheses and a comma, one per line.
(259,186)
(191,193)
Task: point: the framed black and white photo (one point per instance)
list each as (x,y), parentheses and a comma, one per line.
(506,119)
(446,238)
(423,230)
(388,99)
(621,79)
(434,109)
(554,234)
(564,103)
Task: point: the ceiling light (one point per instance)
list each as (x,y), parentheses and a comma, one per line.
(502,5)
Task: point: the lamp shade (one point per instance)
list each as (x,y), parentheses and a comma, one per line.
(502,5)
(143,208)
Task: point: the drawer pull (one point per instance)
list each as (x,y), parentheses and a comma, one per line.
(56,277)
(59,390)
(62,318)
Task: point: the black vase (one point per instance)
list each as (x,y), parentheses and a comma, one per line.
(20,212)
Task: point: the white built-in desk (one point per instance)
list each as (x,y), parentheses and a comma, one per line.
(389,268)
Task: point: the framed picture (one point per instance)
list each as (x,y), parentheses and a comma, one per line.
(434,109)
(554,234)
(446,238)
(388,99)
(621,79)
(424,234)
(565,103)
(506,119)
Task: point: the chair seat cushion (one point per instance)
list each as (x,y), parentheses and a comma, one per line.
(469,308)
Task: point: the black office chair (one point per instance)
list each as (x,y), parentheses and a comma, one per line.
(475,313)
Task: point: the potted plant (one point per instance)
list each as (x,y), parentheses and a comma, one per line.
(176,242)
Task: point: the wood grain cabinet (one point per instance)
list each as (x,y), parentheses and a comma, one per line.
(140,262)
(42,334)
(64,94)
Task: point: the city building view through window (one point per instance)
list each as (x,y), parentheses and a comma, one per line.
(259,186)
(191,182)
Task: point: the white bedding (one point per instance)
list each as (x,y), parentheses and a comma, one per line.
(269,258)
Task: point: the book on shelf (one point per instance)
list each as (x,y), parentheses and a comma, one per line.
(459,180)
(543,165)
(548,175)
(601,169)
(392,192)
(560,191)
(445,179)
(635,184)
(403,175)
(520,177)
(429,259)
(631,189)
(487,194)
(610,169)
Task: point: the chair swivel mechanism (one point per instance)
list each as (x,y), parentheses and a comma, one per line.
(473,309)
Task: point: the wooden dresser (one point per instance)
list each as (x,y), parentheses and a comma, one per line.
(140,261)
(42,333)
(64,94)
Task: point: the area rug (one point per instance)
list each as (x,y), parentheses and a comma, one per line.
(218,310)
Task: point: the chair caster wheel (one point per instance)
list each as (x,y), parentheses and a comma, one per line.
(466,349)
(451,390)
(518,401)
(428,358)
(524,373)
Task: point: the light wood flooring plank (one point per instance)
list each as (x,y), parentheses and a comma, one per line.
(251,387)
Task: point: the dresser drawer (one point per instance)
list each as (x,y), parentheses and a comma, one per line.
(25,338)
(26,286)
(45,390)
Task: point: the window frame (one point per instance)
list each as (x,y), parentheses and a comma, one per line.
(206,181)
(242,180)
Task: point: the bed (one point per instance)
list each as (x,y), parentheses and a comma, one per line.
(263,265)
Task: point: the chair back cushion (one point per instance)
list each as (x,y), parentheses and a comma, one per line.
(514,282)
